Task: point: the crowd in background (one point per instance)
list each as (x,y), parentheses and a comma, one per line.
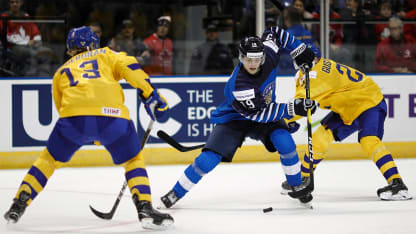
(373,35)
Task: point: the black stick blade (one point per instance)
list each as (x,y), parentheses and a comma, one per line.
(107,216)
(168,139)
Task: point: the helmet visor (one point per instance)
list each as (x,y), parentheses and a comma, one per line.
(252,61)
(253,58)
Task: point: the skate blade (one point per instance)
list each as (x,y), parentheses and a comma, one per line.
(307,205)
(402,195)
(147,223)
(161,206)
(12,218)
(284,192)
(11,222)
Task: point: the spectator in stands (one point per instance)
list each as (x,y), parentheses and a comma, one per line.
(103,13)
(399,7)
(161,48)
(97,29)
(410,28)
(335,29)
(212,57)
(300,6)
(292,19)
(359,38)
(125,41)
(370,7)
(270,22)
(385,13)
(336,51)
(23,38)
(396,53)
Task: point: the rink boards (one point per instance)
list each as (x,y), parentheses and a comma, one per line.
(28,116)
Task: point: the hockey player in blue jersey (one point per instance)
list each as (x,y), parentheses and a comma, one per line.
(250,110)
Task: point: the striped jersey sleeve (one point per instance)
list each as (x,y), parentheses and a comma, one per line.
(272,112)
(281,38)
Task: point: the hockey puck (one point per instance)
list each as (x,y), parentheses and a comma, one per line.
(265,210)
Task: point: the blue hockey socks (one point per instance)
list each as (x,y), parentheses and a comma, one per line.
(284,144)
(203,164)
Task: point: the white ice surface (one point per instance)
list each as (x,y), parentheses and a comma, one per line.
(228,200)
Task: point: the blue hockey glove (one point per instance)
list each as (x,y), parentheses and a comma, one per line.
(300,106)
(293,127)
(155,105)
(303,56)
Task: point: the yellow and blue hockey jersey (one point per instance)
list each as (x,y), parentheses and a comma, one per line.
(88,84)
(340,88)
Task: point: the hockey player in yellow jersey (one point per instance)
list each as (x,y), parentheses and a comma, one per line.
(90,103)
(356,104)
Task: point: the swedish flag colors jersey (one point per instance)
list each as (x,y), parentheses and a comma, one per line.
(340,88)
(88,84)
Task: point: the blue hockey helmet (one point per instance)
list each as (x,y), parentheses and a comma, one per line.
(251,47)
(82,38)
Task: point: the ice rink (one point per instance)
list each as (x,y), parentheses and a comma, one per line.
(228,200)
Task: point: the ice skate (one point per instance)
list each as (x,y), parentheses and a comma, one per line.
(169,199)
(302,192)
(286,187)
(18,207)
(151,218)
(395,191)
(306,201)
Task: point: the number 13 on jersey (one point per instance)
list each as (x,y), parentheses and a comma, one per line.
(90,71)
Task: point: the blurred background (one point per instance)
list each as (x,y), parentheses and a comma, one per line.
(203,34)
(189,50)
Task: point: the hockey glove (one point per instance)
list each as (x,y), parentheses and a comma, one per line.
(303,57)
(155,105)
(300,106)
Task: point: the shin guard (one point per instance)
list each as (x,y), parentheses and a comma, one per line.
(202,165)
(137,178)
(321,139)
(284,144)
(37,176)
(378,152)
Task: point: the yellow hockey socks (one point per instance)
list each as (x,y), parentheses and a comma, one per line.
(38,175)
(321,139)
(137,178)
(374,148)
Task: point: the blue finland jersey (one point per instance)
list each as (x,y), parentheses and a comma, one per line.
(253,97)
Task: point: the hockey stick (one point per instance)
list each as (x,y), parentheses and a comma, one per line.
(110,214)
(168,139)
(309,126)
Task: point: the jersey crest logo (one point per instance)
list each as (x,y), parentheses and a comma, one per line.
(268,93)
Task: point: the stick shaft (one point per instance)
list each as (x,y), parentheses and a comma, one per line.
(309,126)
